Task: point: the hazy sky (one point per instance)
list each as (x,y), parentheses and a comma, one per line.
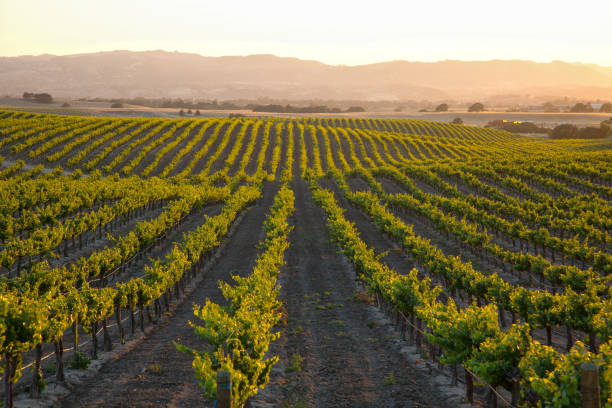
(336,32)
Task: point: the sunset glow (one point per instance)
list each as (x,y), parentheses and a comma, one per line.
(338,32)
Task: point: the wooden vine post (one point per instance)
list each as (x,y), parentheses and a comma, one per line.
(224,389)
(589,385)
(469,386)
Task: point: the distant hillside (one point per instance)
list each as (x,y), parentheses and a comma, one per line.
(174,74)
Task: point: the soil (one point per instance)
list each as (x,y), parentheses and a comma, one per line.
(245,143)
(136,268)
(270,150)
(332,353)
(394,258)
(322,149)
(169,156)
(219,163)
(151,154)
(251,166)
(186,159)
(335,350)
(201,163)
(64,160)
(284,152)
(155,373)
(414,150)
(119,149)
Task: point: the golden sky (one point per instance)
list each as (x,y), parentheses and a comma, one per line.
(335,32)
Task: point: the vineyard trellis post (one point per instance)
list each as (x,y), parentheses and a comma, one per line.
(589,385)
(224,389)
(469,386)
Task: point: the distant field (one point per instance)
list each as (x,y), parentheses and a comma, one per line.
(475,119)
(487,251)
(482,118)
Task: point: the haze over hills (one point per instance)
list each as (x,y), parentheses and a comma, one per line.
(156,74)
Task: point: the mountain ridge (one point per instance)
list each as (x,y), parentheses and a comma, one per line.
(158,73)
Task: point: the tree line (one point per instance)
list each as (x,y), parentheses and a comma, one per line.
(302,109)
(38,97)
(569,131)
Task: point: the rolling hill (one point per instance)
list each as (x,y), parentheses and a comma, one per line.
(175,74)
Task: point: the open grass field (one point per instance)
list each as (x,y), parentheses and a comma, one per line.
(81,108)
(378,262)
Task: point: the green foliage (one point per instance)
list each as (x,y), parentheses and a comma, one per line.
(472,336)
(443,107)
(295,363)
(477,107)
(554,377)
(460,332)
(389,379)
(581,108)
(79,361)
(497,358)
(241,332)
(546,200)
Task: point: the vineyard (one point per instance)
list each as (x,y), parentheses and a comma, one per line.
(264,246)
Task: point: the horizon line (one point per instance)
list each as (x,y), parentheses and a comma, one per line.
(308,60)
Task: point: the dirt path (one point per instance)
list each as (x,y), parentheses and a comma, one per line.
(252,164)
(332,353)
(155,374)
(118,149)
(134,128)
(151,154)
(199,165)
(245,144)
(136,269)
(169,156)
(481,264)
(191,222)
(186,159)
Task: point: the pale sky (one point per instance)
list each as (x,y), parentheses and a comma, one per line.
(336,32)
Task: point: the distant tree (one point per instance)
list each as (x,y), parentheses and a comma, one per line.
(38,97)
(398,109)
(591,132)
(189,111)
(65,105)
(182,113)
(581,108)
(550,107)
(565,131)
(606,107)
(116,105)
(477,107)
(423,110)
(43,98)
(271,108)
(443,107)
(355,109)
(197,112)
(517,127)
(457,121)
(606,125)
